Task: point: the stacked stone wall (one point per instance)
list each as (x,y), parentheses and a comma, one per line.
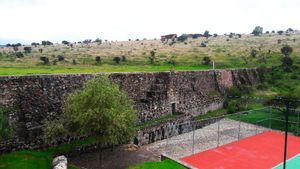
(39,98)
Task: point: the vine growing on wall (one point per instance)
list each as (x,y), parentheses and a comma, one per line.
(6,129)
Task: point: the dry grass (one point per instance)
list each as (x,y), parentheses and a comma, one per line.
(225,51)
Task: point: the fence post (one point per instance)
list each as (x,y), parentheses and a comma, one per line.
(256,126)
(193,124)
(239,126)
(167,142)
(218,141)
(270,117)
(298,122)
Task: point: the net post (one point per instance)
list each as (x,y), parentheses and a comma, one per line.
(270,117)
(218,133)
(239,126)
(298,112)
(256,127)
(193,148)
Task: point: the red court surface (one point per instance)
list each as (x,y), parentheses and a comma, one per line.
(263,151)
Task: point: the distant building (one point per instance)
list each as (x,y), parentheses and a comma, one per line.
(167,37)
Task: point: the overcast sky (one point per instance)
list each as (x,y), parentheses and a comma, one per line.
(27,21)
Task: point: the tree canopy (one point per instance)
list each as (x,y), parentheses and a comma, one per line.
(258,30)
(100,110)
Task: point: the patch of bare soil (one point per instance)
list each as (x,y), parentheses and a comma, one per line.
(119,158)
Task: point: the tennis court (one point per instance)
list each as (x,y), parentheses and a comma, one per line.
(262,151)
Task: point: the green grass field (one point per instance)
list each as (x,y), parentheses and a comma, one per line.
(274,120)
(22,70)
(165,164)
(38,159)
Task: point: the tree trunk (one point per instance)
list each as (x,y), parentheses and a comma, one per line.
(100,157)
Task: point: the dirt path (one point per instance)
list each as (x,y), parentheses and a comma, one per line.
(119,158)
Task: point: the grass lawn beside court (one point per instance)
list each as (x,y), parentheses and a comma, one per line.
(28,159)
(165,164)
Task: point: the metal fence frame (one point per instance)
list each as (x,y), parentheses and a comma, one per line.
(219,118)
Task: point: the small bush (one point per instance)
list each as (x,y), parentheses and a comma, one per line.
(19,55)
(98,59)
(253,53)
(74,62)
(233,106)
(60,58)
(41,50)
(27,49)
(124,58)
(152,56)
(234,92)
(6,129)
(287,63)
(203,44)
(286,50)
(206,60)
(15,48)
(117,59)
(279,41)
(54,62)
(45,60)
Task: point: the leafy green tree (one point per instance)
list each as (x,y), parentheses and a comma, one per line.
(98,59)
(206,34)
(152,56)
(182,37)
(206,60)
(280,32)
(44,43)
(19,54)
(258,30)
(6,129)
(65,42)
(45,60)
(100,110)
(253,53)
(124,59)
(60,58)
(117,59)
(27,49)
(286,50)
(287,61)
(99,41)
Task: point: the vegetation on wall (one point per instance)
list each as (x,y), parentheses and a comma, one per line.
(6,129)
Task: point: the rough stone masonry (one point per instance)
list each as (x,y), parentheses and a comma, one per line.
(40,97)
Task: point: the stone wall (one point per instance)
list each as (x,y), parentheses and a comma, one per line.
(41,97)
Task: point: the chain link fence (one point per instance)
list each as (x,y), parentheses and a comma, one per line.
(197,136)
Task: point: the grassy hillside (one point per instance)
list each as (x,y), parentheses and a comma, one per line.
(226,52)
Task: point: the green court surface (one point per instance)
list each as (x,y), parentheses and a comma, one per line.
(292,163)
